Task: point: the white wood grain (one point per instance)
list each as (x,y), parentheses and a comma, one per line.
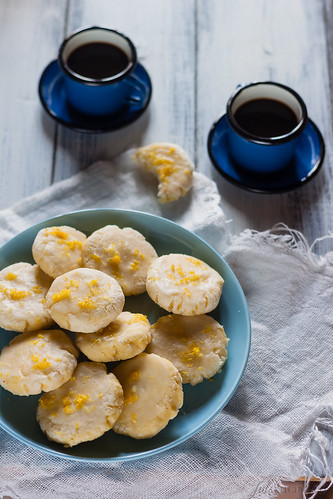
(29,33)
(196,52)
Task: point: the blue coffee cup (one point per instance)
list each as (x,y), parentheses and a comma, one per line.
(265,120)
(97,64)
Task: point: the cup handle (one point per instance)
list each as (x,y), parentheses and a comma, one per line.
(136,84)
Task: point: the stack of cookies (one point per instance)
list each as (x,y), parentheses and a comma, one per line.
(131,374)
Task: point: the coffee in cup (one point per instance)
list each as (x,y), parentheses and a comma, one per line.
(97,64)
(265,119)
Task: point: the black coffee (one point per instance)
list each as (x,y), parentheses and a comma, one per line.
(266,118)
(97,60)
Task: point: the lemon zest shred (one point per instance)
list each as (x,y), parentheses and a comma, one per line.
(62,295)
(11,276)
(56,231)
(18,294)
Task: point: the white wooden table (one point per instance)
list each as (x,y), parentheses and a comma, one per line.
(196,52)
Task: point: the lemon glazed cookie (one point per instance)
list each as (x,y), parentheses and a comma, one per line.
(126,336)
(153,395)
(58,249)
(183,285)
(82,409)
(124,254)
(37,361)
(23,289)
(172,167)
(84,300)
(197,345)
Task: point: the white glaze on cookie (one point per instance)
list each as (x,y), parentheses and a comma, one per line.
(126,336)
(37,361)
(153,395)
(84,408)
(57,250)
(23,289)
(183,285)
(172,167)
(124,254)
(196,345)
(84,300)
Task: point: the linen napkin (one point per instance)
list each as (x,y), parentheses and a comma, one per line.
(279,423)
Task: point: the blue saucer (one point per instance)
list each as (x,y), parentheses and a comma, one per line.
(52,95)
(309,155)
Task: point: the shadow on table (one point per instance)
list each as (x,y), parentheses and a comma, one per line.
(74,151)
(262,211)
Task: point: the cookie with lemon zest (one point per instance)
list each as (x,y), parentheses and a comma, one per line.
(23,288)
(172,167)
(58,249)
(126,336)
(183,284)
(37,361)
(82,409)
(196,345)
(152,395)
(84,300)
(124,254)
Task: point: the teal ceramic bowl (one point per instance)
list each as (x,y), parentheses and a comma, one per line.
(201,402)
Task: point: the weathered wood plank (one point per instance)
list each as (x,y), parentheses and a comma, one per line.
(29,34)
